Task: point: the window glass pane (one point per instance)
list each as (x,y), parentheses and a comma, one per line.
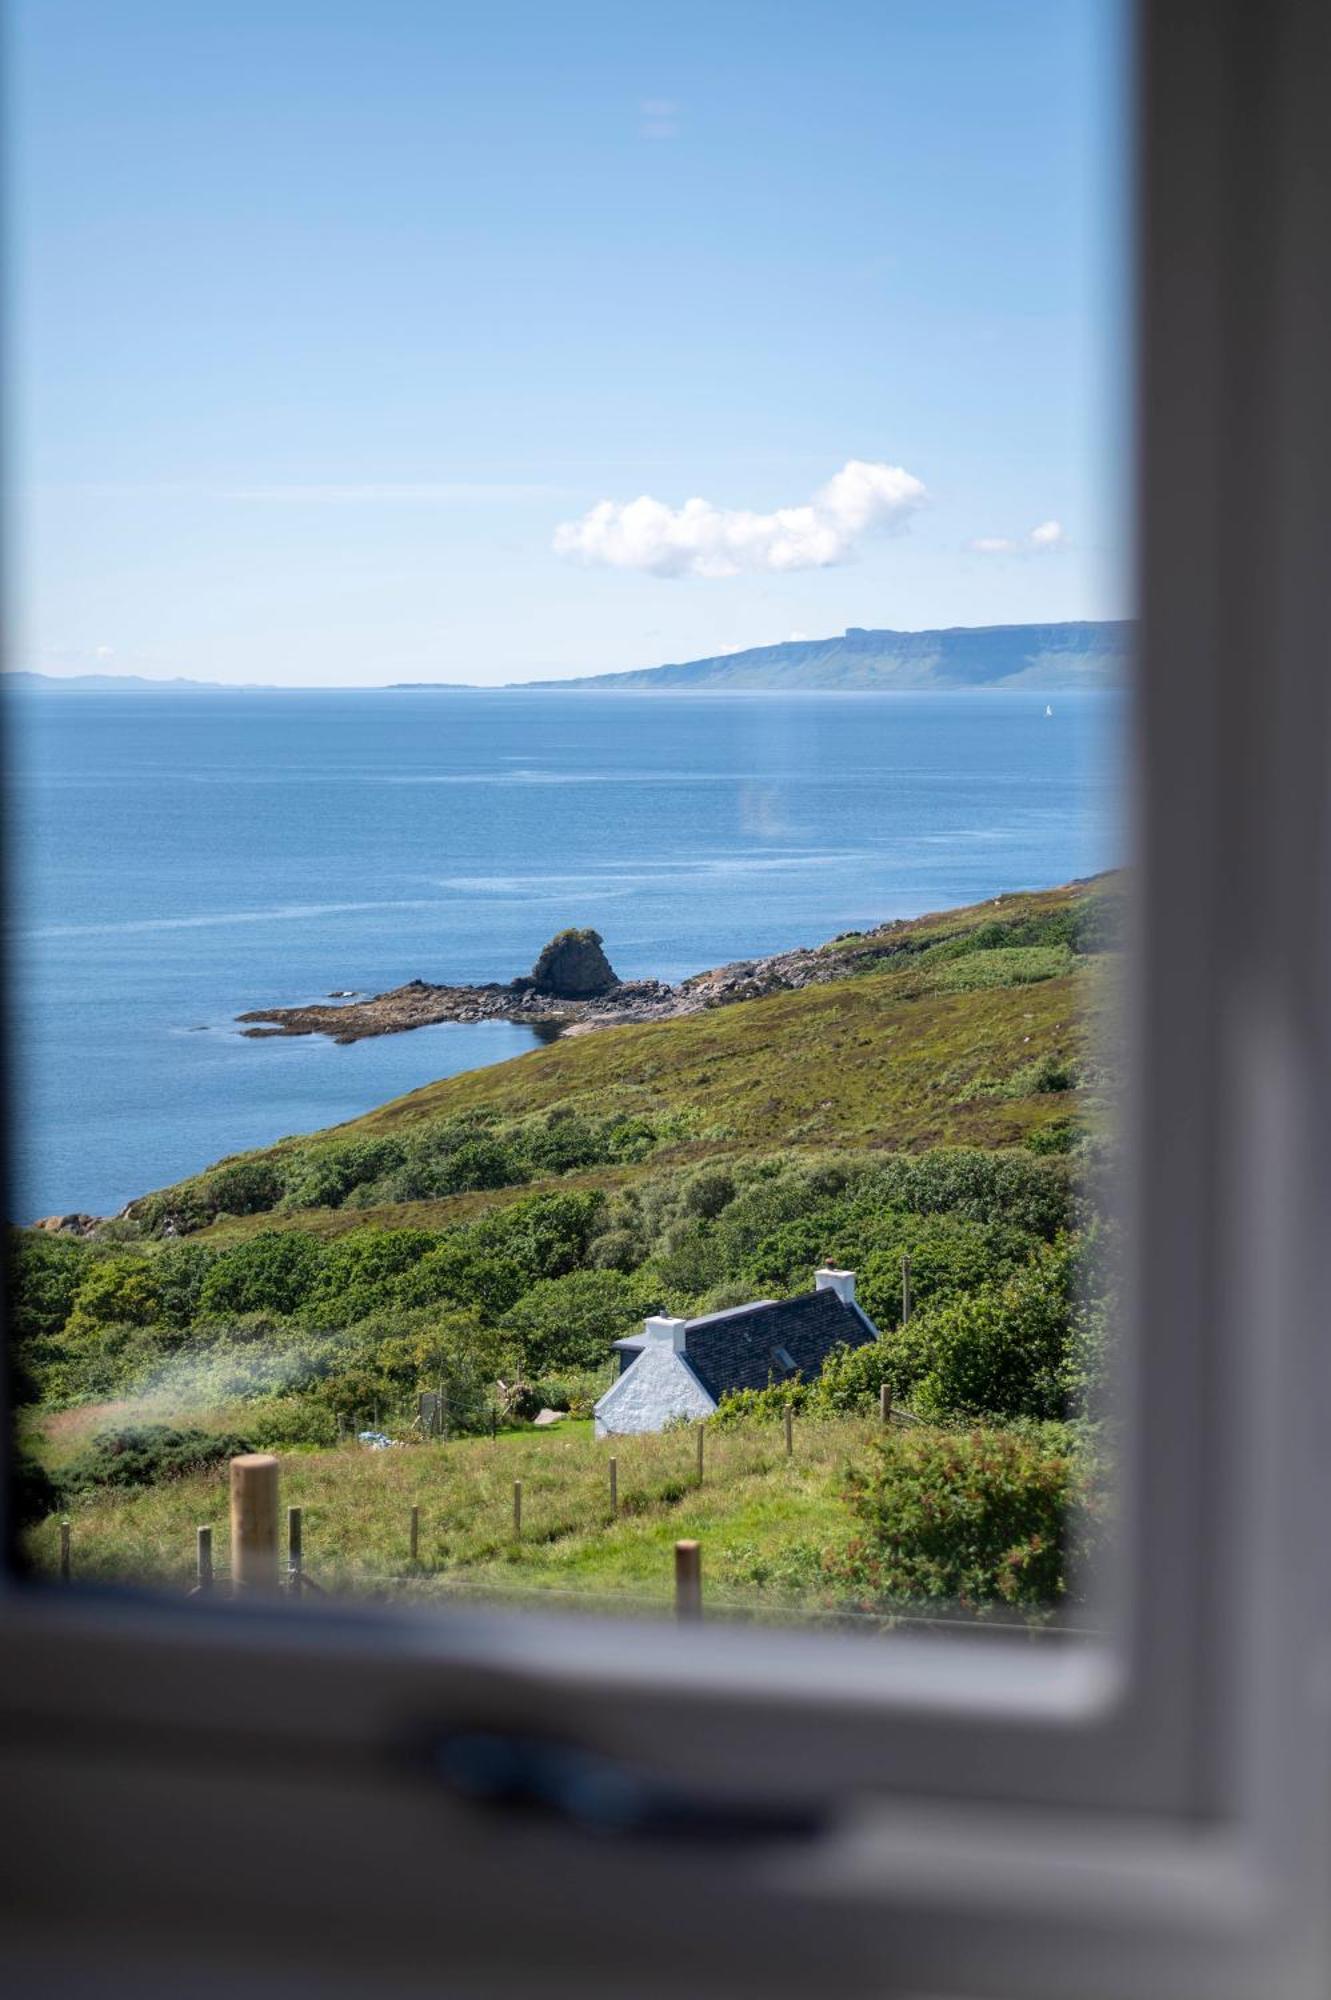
(557,1103)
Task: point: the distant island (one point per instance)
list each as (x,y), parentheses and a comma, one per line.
(1042,658)
(1038,659)
(36,683)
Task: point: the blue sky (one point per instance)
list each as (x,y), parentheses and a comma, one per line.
(333,325)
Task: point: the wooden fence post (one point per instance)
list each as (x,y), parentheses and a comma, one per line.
(203,1558)
(517,1510)
(254,1522)
(906,1301)
(614,1487)
(415,1533)
(688,1580)
(885,1402)
(702,1432)
(790,1430)
(64,1551)
(295,1549)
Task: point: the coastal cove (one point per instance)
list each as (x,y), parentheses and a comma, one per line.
(180,863)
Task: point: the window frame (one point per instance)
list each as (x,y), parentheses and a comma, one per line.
(1162,1789)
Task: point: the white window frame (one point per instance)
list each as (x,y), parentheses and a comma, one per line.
(1139,1818)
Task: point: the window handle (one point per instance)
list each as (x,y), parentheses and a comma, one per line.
(599,1795)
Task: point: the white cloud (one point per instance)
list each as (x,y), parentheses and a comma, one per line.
(1049,535)
(791,637)
(699,539)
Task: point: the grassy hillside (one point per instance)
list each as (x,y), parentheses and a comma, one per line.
(975,1027)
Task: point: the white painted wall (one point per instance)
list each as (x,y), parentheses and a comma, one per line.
(660,1385)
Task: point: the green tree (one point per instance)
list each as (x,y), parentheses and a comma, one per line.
(44,1274)
(181,1269)
(569,1322)
(459,1272)
(117,1290)
(1000,1351)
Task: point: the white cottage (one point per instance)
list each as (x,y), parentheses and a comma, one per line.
(683,1367)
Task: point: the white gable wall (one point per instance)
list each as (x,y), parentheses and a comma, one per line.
(659,1385)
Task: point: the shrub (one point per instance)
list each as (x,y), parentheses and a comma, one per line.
(852,1378)
(1007,1186)
(707,1192)
(743,1406)
(1020,965)
(616,1250)
(34,1494)
(460,1273)
(576,1390)
(544,1236)
(271,1272)
(358,1274)
(277,1423)
(147,1454)
(1062,1136)
(243,1187)
(689,1260)
(324,1176)
(978,1519)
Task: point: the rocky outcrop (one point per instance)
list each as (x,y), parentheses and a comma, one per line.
(572,988)
(574,967)
(560,995)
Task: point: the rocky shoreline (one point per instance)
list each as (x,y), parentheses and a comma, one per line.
(546,1001)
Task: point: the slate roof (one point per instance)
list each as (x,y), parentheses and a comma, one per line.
(737,1349)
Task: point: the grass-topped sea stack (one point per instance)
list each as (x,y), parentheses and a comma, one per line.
(573,966)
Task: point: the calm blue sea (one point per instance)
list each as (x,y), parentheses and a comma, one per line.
(179,858)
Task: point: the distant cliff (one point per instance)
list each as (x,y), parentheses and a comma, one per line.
(1042,658)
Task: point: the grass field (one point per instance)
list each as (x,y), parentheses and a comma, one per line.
(764,1520)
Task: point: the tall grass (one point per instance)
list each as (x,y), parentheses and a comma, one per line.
(764,1519)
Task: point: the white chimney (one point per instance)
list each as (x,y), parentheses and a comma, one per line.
(840,1282)
(667,1330)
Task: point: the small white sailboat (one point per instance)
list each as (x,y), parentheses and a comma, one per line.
(1047,709)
